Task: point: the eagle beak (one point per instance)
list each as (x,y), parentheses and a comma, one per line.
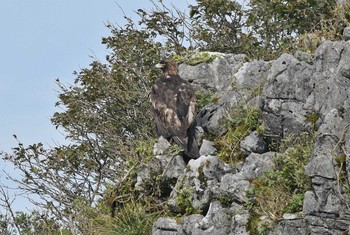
(160,66)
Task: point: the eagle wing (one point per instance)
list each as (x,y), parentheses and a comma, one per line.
(173,101)
(174,110)
(186,104)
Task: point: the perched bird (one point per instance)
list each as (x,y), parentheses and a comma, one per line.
(174,108)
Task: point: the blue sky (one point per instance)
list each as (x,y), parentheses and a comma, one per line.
(41,41)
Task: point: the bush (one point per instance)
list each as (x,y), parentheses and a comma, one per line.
(239,124)
(133,218)
(281,189)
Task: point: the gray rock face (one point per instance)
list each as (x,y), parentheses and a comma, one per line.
(239,220)
(256,164)
(288,79)
(325,92)
(211,179)
(302,56)
(210,118)
(300,93)
(170,168)
(216,221)
(201,178)
(251,74)
(189,224)
(218,74)
(233,80)
(284,96)
(235,186)
(289,226)
(330,85)
(322,162)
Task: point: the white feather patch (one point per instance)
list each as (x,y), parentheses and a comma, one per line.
(171,118)
(191,113)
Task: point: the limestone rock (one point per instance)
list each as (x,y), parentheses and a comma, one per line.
(207,148)
(303,56)
(295,94)
(201,178)
(190,223)
(241,83)
(253,143)
(331,87)
(251,74)
(161,146)
(289,226)
(217,75)
(256,164)
(216,221)
(170,168)
(235,186)
(165,226)
(287,89)
(346,34)
(211,117)
(321,161)
(288,79)
(239,220)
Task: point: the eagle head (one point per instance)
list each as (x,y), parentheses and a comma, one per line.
(167,66)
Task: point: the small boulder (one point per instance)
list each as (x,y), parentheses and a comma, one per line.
(234,186)
(207,148)
(256,164)
(165,226)
(161,146)
(253,143)
(216,221)
(303,56)
(190,223)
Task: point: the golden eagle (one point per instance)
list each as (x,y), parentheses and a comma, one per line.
(174,108)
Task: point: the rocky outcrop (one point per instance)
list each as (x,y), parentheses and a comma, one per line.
(295,94)
(234,81)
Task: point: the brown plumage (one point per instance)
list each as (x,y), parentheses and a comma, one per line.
(174,108)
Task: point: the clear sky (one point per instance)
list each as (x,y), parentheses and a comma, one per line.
(43,40)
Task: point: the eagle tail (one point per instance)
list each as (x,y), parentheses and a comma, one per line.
(189,143)
(192,143)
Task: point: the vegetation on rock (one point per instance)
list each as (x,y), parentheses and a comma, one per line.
(281,189)
(240,123)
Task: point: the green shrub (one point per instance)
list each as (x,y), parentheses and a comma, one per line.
(312,119)
(240,123)
(281,189)
(184,202)
(134,219)
(191,57)
(203,98)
